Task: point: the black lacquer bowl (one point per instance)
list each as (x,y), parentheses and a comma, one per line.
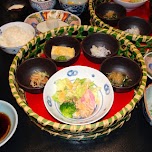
(126,66)
(99,40)
(129,22)
(104,8)
(66,41)
(28,67)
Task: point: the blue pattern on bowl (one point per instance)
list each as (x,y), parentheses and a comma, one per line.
(150,66)
(46,5)
(74,9)
(148,62)
(72,73)
(107,89)
(49,101)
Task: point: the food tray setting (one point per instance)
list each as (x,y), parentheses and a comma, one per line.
(141,41)
(102,127)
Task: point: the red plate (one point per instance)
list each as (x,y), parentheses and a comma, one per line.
(35,101)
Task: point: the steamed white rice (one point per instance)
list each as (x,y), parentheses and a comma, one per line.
(15,36)
(100,51)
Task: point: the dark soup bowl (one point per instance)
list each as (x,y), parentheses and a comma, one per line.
(135,25)
(63,50)
(123,73)
(33,73)
(110,13)
(97,47)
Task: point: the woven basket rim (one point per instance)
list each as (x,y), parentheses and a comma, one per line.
(74,128)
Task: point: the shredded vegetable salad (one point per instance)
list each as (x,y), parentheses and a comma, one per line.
(77,99)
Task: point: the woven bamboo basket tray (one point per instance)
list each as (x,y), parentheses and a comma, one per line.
(137,39)
(75,132)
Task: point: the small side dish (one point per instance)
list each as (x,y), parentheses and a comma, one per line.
(36,71)
(63,50)
(147,104)
(110,13)
(135,25)
(148,62)
(97,47)
(8,121)
(123,73)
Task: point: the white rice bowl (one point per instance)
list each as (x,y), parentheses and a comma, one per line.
(14,35)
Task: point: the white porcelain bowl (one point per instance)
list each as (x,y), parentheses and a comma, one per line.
(105,93)
(76,7)
(18,34)
(129,5)
(148,62)
(147,105)
(7,109)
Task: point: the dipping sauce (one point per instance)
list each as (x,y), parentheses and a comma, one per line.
(5,125)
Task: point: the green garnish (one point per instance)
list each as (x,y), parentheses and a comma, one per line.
(61,58)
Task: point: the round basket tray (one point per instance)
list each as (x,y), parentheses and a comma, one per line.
(137,39)
(75,132)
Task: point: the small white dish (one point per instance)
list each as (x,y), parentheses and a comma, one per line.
(147,106)
(148,62)
(7,109)
(106,93)
(130,5)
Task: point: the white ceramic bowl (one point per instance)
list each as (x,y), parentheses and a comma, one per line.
(129,5)
(40,5)
(16,36)
(76,7)
(148,62)
(147,105)
(7,109)
(105,93)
